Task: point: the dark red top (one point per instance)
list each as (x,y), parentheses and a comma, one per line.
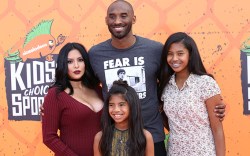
(77,123)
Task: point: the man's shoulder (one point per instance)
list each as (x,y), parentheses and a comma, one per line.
(149,45)
(99,46)
(149,41)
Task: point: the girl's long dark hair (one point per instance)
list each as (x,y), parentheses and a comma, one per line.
(137,140)
(195,64)
(61,76)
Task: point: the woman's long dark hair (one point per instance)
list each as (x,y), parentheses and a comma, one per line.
(61,76)
(195,64)
(137,140)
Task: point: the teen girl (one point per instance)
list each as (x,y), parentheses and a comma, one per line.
(190,95)
(122,125)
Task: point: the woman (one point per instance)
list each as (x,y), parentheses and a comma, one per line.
(73,104)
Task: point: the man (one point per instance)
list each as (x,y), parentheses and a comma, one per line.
(121,74)
(139,54)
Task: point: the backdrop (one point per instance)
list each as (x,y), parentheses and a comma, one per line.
(220,28)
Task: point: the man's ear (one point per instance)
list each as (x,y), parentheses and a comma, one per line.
(106,21)
(134,19)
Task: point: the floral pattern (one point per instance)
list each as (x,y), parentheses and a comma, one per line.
(190,132)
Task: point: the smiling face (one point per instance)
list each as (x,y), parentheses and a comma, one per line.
(76,65)
(119,19)
(119,111)
(178,58)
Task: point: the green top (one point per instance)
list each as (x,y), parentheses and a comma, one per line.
(120,143)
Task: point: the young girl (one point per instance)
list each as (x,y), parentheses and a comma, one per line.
(122,125)
(189,94)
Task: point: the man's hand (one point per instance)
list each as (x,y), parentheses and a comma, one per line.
(220,111)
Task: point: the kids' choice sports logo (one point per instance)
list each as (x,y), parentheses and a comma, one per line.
(29,70)
(245,75)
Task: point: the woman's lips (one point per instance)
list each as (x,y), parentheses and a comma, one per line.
(77,72)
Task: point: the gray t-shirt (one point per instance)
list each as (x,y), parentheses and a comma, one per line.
(139,65)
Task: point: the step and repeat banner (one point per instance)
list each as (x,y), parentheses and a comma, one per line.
(32,33)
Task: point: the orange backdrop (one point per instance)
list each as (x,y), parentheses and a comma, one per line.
(219,28)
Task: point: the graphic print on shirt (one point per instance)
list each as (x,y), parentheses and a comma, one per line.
(124,69)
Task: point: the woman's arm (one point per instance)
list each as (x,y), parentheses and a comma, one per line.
(216,125)
(50,125)
(150,144)
(164,116)
(165,120)
(96,144)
